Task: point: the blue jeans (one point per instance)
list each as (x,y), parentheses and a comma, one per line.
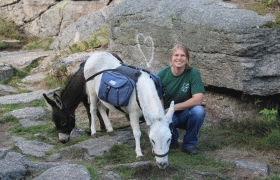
(190,120)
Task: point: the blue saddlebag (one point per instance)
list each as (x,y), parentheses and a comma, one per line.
(115,88)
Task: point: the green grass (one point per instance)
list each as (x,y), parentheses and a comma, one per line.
(10,30)
(39,103)
(31,66)
(199,162)
(10,118)
(255,133)
(60,78)
(264,7)
(18,75)
(92,170)
(48,128)
(39,44)
(24,91)
(149,172)
(11,107)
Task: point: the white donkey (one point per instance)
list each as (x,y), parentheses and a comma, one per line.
(152,109)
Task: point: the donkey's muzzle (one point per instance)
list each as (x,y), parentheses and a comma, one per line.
(162,165)
(63,138)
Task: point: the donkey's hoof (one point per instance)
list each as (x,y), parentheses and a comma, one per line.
(140,158)
(88,133)
(93,136)
(111,133)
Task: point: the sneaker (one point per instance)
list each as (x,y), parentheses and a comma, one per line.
(174,145)
(190,151)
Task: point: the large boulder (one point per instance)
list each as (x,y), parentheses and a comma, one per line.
(45,18)
(57,18)
(226,44)
(84,29)
(24,11)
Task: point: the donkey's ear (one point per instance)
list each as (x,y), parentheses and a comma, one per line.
(170,113)
(49,101)
(148,117)
(58,101)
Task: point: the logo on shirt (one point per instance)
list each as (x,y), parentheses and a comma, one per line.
(185,87)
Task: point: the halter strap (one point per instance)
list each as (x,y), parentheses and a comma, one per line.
(159,155)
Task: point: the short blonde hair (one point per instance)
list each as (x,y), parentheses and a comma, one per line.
(186,51)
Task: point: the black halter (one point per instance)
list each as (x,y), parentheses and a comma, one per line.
(160,155)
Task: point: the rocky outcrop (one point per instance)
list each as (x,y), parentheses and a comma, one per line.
(45,18)
(83,30)
(226,44)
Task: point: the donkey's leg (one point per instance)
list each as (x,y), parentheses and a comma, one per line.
(134,121)
(93,104)
(103,112)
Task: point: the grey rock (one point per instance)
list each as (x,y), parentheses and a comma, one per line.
(34,78)
(224,44)
(8,89)
(71,62)
(13,158)
(36,166)
(71,171)
(12,166)
(8,171)
(3,152)
(22,59)
(29,112)
(81,30)
(58,17)
(111,175)
(26,97)
(28,122)
(54,157)
(34,148)
(15,166)
(77,133)
(100,146)
(21,12)
(16,139)
(6,71)
(253,166)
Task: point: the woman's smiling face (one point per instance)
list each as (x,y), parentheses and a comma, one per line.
(179,59)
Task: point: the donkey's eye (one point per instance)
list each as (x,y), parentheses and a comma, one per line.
(168,140)
(153,142)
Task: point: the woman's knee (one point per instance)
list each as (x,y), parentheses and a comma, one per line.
(198,112)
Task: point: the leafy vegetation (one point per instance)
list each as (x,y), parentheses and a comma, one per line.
(256,133)
(10,31)
(100,38)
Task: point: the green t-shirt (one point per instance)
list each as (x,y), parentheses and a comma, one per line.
(180,88)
